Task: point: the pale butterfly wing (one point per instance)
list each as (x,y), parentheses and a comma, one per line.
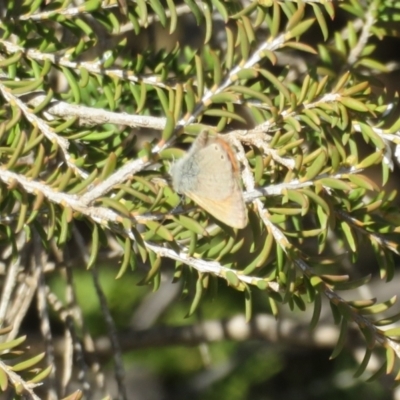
(208,174)
(231,211)
(217,189)
(186,170)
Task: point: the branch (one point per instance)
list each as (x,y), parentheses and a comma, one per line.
(61,142)
(94,116)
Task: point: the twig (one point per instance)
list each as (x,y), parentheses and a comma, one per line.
(95,116)
(71,341)
(88,342)
(112,334)
(62,143)
(94,67)
(18,382)
(367,24)
(40,261)
(72,305)
(11,280)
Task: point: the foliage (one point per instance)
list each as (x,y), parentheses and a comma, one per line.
(79,92)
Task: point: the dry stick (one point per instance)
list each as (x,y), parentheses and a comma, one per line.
(366,25)
(73,346)
(24,292)
(88,342)
(68,348)
(12,274)
(69,339)
(48,132)
(23,300)
(67,12)
(78,347)
(75,11)
(40,259)
(127,170)
(97,214)
(94,116)
(11,280)
(95,67)
(18,382)
(208,267)
(20,312)
(112,332)
(67,355)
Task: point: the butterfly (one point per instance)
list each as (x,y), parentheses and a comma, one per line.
(209,175)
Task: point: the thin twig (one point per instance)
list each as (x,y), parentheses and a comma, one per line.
(94,116)
(40,261)
(112,334)
(62,143)
(70,339)
(11,278)
(88,342)
(20,383)
(22,301)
